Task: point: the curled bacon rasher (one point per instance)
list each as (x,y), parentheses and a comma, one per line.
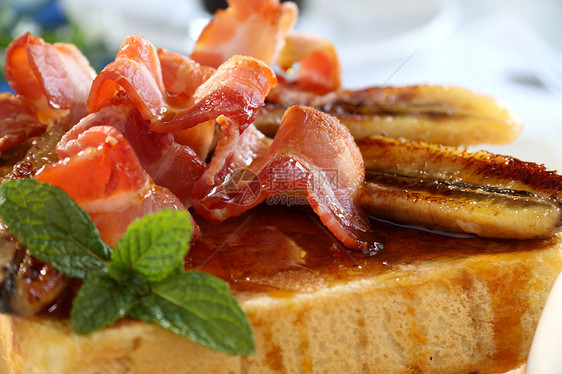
(18,121)
(263,29)
(157,98)
(55,78)
(237,89)
(313,154)
(247,27)
(104,176)
(51,81)
(169,163)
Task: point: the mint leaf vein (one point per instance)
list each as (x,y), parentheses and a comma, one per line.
(52,226)
(143,276)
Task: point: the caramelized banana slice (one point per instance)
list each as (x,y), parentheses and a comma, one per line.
(41,151)
(27,285)
(449,189)
(435,161)
(480,210)
(437,114)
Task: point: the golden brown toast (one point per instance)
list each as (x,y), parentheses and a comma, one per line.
(426,303)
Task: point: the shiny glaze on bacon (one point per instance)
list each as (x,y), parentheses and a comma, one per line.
(54,78)
(263,29)
(18,122)
(104,176)
(237,89)
(312,153)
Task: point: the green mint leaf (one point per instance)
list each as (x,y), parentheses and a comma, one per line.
(143,276)
(201,307)
(154,245)
(101,301)
(52,226)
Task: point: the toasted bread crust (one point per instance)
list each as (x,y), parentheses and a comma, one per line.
(475,313)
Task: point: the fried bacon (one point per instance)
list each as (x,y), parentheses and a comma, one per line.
(136,70)
(55,78)
(170,164)
(237,89)
(104,176)
(18,121)
(52,82)
(263,29)
(251,28)
(319,66)
(313,154)
(141,94)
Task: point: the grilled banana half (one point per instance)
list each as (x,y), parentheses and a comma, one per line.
(450,189)
(437,114)
(24,160)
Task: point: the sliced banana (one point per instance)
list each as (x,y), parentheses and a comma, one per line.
(438,114)
(453,190)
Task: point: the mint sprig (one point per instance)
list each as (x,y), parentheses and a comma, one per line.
(177,303)
(142,277)
(154,247)
(53,226)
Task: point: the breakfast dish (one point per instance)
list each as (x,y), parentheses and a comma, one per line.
(428,304)
(237,211)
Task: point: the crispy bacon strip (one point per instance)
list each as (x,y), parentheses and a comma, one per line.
(104,176)
(181,76)
(262,29)
(236,156)
(136,70)
(18,121)
(237,89)
(50,76)
(247,27)
(313,153)
(319,70)
(170,164)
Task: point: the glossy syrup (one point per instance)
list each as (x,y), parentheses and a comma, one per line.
(278,252)
(281,250)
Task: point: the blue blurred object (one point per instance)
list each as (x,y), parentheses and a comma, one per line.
(50,15)
(46,19)
(4,87)
(40,15)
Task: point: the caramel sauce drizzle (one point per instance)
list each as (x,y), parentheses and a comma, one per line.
(278,251)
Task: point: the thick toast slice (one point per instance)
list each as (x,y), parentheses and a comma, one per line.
(426,303)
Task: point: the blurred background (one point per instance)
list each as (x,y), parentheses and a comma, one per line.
(506,49)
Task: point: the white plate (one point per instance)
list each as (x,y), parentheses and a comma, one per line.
(545,356)
(366,31)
